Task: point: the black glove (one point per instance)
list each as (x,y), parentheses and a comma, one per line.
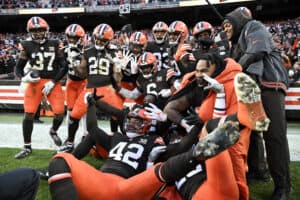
(93,98)
(193,118)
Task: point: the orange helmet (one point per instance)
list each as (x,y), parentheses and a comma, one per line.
(75,35)
(137,122)
(103,34)
(178,32)
(160,31)
(147,64)
(137,42)
(202,26)
(38,29)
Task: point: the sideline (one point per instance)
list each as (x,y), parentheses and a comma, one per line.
(11,136)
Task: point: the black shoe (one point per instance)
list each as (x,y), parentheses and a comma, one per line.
(67,147)
(38,121)
(23,153)
(56,139)
(218,140)
(280,194)
(44,174)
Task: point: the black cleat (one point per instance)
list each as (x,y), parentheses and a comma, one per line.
(44,174)
(23,153)
(67,147)
(56,139)
(218,140)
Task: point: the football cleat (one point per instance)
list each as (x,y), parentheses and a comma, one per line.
(23,153)
(218,140)
(67,147)
(44,174)
(250,109)
(55,138)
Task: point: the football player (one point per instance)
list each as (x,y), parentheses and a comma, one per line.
(178,35)
(76,82)
(125,169)
(102,72)
(136,46)
(151,81)
(48,66)
(212,84)
(249,113)
(160,46)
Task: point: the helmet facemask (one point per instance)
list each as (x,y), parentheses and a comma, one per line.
(136,124)
(39,35)
(146,70)
(174,38)
(160,36)
(100,43)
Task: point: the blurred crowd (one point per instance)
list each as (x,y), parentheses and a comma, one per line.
(10,4)
(286,35)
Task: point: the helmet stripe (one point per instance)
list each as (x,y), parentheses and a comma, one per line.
(73,28)
(173,25)
(144,58)
(102,29)
(137,36)
(159,25)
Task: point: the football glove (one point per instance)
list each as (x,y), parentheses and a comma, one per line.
(213,84)
(153,112)
(48,87)
(155,152)
(165,93)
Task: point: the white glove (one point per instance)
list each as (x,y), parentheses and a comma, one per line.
(213,84)
(185,125)
(30,77)
(48,87)
(155,152)
(165,93)
(127,56)
(155,113)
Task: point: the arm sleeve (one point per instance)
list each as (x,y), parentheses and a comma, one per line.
(97,134)
(20,67)
(184,145)
(247,59)
(62,70)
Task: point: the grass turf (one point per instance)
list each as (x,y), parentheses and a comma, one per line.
(40,159)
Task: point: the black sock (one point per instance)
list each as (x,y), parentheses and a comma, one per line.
(27,129)
(176,167)
(57,121)
(72,128)
(64,188)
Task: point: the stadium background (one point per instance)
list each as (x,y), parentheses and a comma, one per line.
(144,15)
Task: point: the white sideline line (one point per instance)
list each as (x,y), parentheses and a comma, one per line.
(11,136)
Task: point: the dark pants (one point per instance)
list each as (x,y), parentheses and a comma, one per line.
(277,149)
(19,184)
(257,162)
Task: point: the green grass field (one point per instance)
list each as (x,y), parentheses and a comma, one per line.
(40,159)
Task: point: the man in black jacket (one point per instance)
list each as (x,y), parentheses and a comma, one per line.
(253,47)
